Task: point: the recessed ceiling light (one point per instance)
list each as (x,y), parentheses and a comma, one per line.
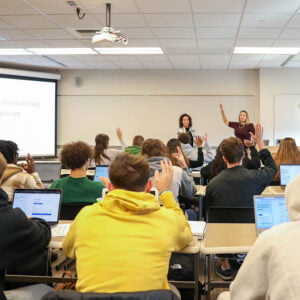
(14,51)
(130,50)
(62,51)
(265,50)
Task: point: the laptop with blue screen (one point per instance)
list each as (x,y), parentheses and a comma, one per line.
(288,173)
(101,171)
(39,203)
(269,210)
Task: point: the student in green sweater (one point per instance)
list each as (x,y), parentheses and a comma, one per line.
(77,187)
(136,143)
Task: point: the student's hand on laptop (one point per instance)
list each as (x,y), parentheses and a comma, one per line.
(29,167)
(105,181)
(258,136)
(248,143)
(163,179)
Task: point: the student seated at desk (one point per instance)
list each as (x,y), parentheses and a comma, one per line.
(77,187)
(23,245)
(236,186)
(14,176)
(136,143)
(102,154)
(124,242)
(288,153)
(271,268)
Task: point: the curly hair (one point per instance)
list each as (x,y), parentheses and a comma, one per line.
(129,172)
(75,155)
(288,153)
(218,163)
(3,165)
(181,120)
(101,141)
(154,147)
(9,150)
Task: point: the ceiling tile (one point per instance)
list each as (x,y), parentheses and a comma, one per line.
(227,33)
(169,20)
(290,33)
(165,6)
(244,65)
(23,44)
(117,6)
(269,64)
(16,34)
(157,64)
(278,58)
(5,25)
(272,6)
(254,42)
(175,59)
(215,43)
(65,43)
(124,20)
(29,21)
(50,34)
(15,7)
(214,65)
(217,20)
(53,6)
(167,33)
(183,43)
(295,22)
(247,57)
(120,58)
(259,32)
(217,6)
(287,43)
(265,20)
(293,64)
(101,64)
(214,58)
(143,43)
(143,33)
(150,57)
(71,21)
(91,58)
(124,64)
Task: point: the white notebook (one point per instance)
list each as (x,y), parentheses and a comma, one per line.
(60,230)
(198,228)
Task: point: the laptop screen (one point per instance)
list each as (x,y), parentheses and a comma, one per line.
(44,204)
(288,173)
(270,210)
(101,171)
(48,171)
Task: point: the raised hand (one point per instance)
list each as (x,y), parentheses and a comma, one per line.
(163,179)
(29,167)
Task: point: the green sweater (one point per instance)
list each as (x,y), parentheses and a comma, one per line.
(133,150)
(78,189)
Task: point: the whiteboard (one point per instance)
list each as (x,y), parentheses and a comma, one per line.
(83,117)
(287,117)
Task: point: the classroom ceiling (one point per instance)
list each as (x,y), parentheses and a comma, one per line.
(194,34)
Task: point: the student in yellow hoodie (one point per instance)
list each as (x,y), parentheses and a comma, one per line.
(124,242)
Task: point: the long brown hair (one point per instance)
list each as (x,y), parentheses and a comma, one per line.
(288,153)
(101,141)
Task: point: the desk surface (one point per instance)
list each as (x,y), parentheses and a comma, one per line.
(273,189)
(228,238)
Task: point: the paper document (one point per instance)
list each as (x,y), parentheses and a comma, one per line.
(198,228)
(60,229)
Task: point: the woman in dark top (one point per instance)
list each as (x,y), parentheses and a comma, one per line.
(242,127)
(185,126)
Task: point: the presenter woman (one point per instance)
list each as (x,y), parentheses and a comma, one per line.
(243,127)
(185,126)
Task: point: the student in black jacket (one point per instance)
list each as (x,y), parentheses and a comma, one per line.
(236,186)
(23,244)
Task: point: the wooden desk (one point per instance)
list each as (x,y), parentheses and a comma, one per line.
(225,238)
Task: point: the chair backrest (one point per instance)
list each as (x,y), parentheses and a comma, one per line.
(69,211)
(221,214)
(149,295)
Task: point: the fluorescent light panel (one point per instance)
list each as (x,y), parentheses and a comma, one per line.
(14,51)
(265,50)
(62,51)
(128,50)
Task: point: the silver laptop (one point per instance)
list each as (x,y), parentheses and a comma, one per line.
(39,203)
(287,173)
(269,210)
(48,171)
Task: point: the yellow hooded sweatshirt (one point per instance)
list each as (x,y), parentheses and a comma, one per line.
(124,242)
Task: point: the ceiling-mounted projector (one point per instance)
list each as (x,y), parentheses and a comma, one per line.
(111,35)
(107,33)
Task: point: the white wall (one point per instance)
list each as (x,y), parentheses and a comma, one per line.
(274,82)
(157,83)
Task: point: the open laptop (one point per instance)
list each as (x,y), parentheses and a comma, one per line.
(39,203)
(269,210)
(48,171)
(101,171)
(287,173)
